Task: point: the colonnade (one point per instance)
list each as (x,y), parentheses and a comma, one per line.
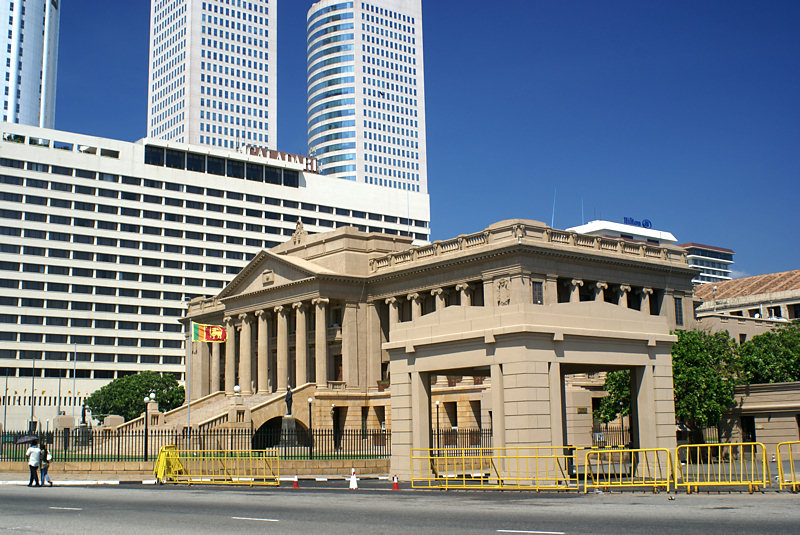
(207,363)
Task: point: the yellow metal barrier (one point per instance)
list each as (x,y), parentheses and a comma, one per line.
(533,468)
(733,464)
(218,467)
(628,468)
(789,452)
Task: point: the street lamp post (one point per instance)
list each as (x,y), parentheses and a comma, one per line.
(147,400)
(310,432)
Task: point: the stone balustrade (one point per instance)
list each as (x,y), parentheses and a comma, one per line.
(527,233)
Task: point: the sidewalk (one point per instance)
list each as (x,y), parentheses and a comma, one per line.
(113,478)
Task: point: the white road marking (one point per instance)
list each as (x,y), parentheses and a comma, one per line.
(255,519)
(534,532)
(68,508)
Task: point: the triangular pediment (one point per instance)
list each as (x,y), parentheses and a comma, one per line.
(269,270)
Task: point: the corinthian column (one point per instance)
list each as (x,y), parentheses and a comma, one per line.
(262,358)
(230,356)
(283,348)
(246,355)
(321,341)
(300,345)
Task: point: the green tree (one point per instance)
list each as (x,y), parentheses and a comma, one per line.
(125,396)
(704,376)
(772,357)
(618,400)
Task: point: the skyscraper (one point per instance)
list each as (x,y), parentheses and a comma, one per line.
(212,72)
(366,92)
(29,59)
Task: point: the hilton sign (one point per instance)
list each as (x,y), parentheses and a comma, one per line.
(309,163)
(644,223)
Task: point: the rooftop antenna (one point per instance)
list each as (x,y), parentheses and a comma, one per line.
(553,218)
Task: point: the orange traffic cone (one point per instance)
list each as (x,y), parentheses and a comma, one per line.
(295,483)
(395,486)
(353,480)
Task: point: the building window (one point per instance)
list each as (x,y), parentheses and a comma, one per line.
(538,293)
(679,311)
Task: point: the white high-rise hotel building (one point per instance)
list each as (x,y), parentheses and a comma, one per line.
(366,92)
(29,58)
(212,72)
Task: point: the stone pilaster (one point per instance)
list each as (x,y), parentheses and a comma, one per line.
(215,368)
(394,312)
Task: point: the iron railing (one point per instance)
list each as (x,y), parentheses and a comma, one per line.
(610,435)
(461,438)
(110,445)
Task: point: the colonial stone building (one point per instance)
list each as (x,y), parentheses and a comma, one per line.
(488,325)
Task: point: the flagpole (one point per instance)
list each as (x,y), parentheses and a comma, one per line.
(190,342)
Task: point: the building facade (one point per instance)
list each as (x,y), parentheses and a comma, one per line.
(713,262)
(366,92)
(212,72)
(103,241)
(504,315)
(30,60)
(749,306)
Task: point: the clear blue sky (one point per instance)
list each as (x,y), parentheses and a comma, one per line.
(683,112)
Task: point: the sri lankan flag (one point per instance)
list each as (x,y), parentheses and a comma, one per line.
(208,333)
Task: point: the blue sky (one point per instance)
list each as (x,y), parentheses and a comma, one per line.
(683,112)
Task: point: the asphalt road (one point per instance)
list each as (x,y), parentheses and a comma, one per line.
(145,510)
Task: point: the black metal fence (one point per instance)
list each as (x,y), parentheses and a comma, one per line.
(610,435)
(461,438)
(108,445)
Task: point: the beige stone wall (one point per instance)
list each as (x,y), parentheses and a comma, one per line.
(775,409)
(741,329)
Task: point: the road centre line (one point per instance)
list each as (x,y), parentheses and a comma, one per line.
(255,519)
(68,508)
(533,532)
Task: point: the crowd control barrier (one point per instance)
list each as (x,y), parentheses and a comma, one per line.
(533,468)
(218,467)
(727,464)
(789,465)
(628,468)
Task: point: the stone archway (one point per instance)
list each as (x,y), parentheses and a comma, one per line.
(269,434)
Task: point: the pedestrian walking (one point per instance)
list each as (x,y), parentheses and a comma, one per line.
(34,455)
(44,464)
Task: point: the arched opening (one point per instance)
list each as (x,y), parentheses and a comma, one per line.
(272,434)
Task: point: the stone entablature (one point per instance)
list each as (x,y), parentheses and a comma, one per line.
(531,233)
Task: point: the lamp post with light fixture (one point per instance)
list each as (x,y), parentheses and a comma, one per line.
(147,400)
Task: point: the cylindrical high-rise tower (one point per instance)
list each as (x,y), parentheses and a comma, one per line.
(366,95)
(30,59)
